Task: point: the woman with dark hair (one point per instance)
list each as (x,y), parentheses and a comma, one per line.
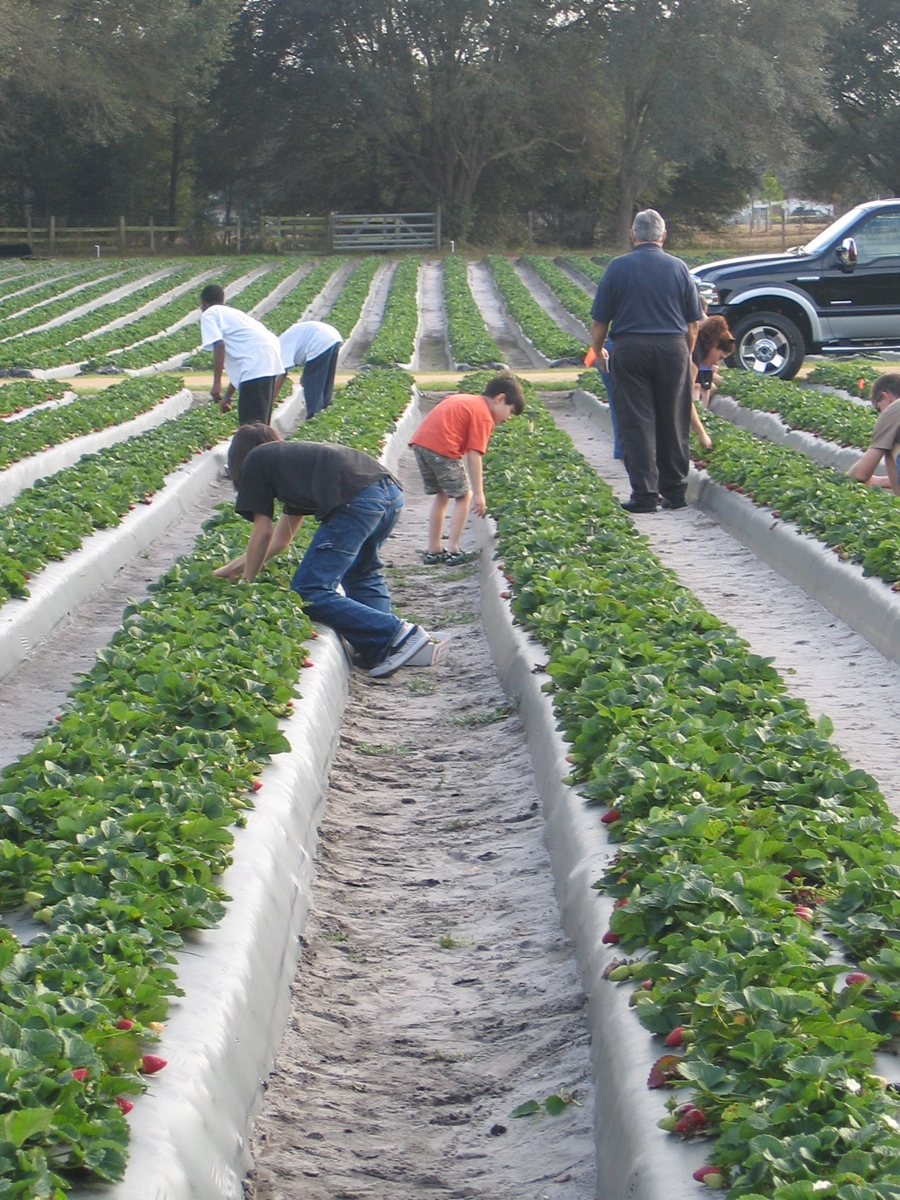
(714,344)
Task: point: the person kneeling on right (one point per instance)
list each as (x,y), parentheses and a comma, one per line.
(357,502)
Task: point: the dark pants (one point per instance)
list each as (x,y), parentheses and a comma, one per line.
(255,400)
(652,383)
(318,380)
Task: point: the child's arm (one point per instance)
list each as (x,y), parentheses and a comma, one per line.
(698,428)
(280,539)
(476,475)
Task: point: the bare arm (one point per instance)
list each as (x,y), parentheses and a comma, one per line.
(864,468)
(698,427)
(476,475)
(691,335)
(279,538)
(218,366)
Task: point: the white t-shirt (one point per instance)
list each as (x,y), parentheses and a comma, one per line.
(251,350)
(305,340)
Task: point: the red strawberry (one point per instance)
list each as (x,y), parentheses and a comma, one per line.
(124,1023)
(504,595)
(151,1063)
(647,984)
(676,1037)
(609,817)
(609,938)
(256,785)
(710,1175)
(857,977)
(307,662)
(125,1105)
(80,1074)
(804,912)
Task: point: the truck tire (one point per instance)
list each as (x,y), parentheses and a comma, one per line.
(768,344)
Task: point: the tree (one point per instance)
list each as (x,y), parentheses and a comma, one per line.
(411,101)
(693,78)
(855,142)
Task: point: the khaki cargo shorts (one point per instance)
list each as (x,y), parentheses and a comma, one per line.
(440,474)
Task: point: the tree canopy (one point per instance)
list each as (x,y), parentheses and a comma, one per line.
(575,112)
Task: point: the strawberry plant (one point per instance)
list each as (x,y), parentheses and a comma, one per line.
(115,829)
(87,413)
(466,331)
(26,393)
(540,329)
(346,310)
(394,343)
(856,376)
(573,298)
(822,413)
(734,810)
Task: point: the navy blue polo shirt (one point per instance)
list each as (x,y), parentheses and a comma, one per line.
(647,291)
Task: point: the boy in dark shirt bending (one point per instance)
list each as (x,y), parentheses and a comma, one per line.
(357,502)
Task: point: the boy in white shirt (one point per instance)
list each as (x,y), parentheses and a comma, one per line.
(245,350)
(316,347)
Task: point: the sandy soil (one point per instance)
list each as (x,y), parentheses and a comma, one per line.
(436,991)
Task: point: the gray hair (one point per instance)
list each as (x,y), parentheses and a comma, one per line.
(648,226)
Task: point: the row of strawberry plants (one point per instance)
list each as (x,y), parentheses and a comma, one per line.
(823,413)
(347,309)
(26,393)
(22,339)
(749,851)
(861,524)
(115,828)
(86,414)
(49,520)
(139,330)
(157,321)
(179,341)
(467,335)
(394,343)
(574,299)
(855,377)
(540,329)
(586,266)
(291,307)
(90,283)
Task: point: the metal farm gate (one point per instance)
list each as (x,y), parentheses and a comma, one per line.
(386,231)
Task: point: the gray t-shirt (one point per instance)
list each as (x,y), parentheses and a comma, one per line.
(886,434)
(306,477)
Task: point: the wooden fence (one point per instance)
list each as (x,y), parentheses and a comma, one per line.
(343,232)
(58,236)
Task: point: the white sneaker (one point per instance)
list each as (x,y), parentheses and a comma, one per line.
(407,647)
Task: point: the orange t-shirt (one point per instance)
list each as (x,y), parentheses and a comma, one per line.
(458,424)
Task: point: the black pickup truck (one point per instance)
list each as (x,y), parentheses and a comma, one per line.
(838,294)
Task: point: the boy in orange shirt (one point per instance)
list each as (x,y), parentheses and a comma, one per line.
(448,446)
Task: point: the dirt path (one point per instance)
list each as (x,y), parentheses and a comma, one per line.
(436,991)
(507,337)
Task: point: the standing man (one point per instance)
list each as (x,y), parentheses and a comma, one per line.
(652,304)
(248,353)
(885,443)
(315,346)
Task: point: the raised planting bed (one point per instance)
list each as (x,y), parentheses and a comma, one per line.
(394,343)
(116,830)
(540,329)
(754,872)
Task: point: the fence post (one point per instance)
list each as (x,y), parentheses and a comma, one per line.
(122,232)
(51,232)
(152,235)
(237,225)
(329,234)
(278,234)
(28,222)
(437,228)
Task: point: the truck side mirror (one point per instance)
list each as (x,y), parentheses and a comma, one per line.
(847,251)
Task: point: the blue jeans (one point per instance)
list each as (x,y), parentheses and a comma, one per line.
(318,380)
(344,552)
(607,383)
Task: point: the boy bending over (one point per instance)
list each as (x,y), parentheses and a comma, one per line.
(448,446)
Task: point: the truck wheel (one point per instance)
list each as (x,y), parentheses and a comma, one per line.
(768,344)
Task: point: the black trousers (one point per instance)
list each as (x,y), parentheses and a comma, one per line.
(652,383)
(255,400)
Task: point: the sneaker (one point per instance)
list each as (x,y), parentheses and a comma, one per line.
(635,506)
(405,646)
(431,559)
(456,558)
(678,502)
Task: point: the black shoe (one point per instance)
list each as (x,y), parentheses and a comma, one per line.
(679,503)
(634,506)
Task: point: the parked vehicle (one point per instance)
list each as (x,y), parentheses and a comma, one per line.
(838,294)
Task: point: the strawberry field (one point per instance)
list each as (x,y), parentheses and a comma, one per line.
(748,908)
